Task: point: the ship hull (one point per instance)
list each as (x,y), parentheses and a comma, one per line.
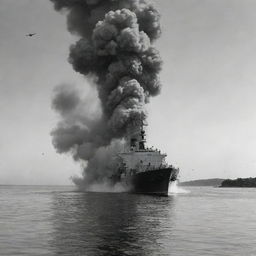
(153,182)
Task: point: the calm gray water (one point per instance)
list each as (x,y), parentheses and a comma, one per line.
(60,221)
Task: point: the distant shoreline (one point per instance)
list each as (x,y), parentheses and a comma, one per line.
(239,183)
(222,183)
(203,183)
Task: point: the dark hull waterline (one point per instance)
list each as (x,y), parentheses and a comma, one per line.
(153,182)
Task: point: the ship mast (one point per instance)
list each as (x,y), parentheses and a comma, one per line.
(138,138)
(142,140)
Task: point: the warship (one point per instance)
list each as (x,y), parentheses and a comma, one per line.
(144,170)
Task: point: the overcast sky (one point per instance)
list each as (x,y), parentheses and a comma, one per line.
(204,119)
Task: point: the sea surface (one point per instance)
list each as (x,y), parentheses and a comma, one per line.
(41,220)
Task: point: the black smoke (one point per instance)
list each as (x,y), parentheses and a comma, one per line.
(115,51)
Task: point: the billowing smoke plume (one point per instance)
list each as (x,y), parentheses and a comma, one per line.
(115,52)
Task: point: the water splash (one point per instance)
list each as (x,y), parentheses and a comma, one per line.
(175,189)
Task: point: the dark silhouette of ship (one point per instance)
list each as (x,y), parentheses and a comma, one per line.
(144,170)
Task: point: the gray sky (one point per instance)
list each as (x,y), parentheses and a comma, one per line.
(204,119)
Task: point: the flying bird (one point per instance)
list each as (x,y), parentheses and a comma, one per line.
(31,34)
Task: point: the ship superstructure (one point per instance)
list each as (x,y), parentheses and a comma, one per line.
(145,169)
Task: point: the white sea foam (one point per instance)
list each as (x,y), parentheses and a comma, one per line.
(175,189)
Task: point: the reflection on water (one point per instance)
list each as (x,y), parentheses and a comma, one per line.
(52,221)
(110,224)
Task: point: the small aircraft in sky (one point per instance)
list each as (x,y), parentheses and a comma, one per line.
(31,34)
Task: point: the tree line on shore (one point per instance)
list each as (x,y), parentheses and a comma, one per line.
(239,182)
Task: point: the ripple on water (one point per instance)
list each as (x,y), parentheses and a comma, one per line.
(61,221)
